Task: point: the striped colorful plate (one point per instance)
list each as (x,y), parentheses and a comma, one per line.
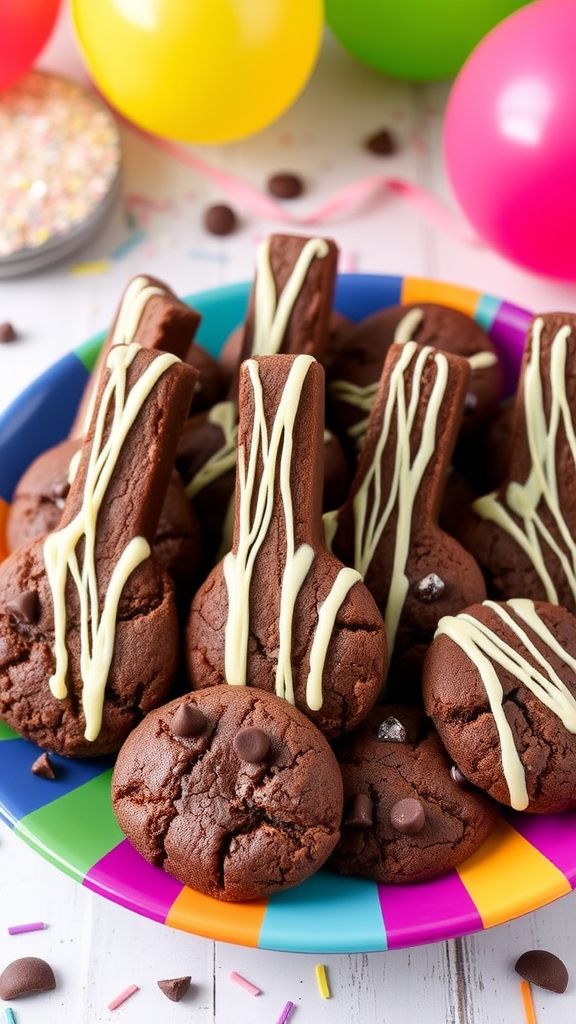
(527,862)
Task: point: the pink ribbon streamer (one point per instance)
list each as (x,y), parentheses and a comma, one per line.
(344,200)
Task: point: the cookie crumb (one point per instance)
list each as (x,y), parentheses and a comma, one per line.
(175,988)
(8,333)
(544,969)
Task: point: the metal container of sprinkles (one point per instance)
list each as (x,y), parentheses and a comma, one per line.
(60,160)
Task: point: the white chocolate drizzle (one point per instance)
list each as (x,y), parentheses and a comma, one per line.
(134,302)
(362,396)
(97,626)
(272,313)
(222,415)
(485,649)
(518,510)
(327,613)
(255,508)
(374,507)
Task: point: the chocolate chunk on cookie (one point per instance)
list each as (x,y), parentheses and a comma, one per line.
(500,685)
(356,369)
(523,535)
(280,612)
(233,826)
(405,818)
(388,526)
(103,648)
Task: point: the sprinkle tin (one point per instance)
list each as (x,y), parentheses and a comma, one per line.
(60,161)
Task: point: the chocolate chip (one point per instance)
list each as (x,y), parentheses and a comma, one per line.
(360,812)
(43,767)
(429,588)
(7,333)
(188,721)
(407,816)
(381,143)
(220,219)
(470,402)
(543,969)
(252,745)
(25,607)
(458,778)
(392,730)
(22,977)
(175,988)
(285,185)
(59,491)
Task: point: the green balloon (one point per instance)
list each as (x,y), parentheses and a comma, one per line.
(420,40)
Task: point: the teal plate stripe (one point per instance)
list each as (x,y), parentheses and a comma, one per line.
(308,918)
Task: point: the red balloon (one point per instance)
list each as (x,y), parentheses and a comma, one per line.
(25,26)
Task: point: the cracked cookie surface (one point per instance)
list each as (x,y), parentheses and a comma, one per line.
(395,771)
(232,828)
(526,755)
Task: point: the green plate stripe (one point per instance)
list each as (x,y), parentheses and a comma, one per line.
(88,352)
(6,733)
(77,830)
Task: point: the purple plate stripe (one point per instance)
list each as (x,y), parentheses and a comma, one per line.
(508,331)
(427,912)
(126,878)
(553,835)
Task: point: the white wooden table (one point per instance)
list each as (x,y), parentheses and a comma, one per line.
(97,948)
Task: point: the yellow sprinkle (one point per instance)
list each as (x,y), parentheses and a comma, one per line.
(95,267)
(322,981)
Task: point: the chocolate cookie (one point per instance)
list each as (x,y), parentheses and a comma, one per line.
(150,315)
(523,535)
(280,612)
(355,370)
(211,384)
(500,684)
(232,791)
(388,527)
(405,817)
(288,312)
(38,502)
(88,623)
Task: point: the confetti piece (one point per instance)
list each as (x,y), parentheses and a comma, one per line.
(322,981)
(147,202)
(131,243)
(126,994)
(243,983)
(286,1012)
(527,1002)
(95,267)
(20,929)
(211,257)
(9,1015)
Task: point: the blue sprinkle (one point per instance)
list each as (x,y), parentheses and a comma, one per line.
(9,1014)
(206,254)
(134,240)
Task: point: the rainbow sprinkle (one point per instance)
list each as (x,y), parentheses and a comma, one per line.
(126,994)
(286,1012)
(322,981)
(245,984)
(21,929)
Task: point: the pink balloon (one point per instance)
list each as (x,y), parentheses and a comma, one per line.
(510,137)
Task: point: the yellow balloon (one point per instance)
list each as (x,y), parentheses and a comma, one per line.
(200,70)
